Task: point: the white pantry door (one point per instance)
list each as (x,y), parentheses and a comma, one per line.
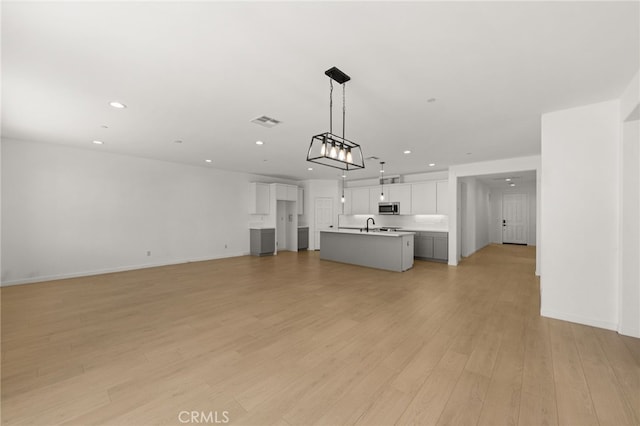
(324,217)
(514,219)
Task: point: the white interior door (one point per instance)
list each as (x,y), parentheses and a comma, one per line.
(514,219)
(323,218)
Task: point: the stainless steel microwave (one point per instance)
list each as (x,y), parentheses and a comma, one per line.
(389,208)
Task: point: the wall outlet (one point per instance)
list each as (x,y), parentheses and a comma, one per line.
(148,253)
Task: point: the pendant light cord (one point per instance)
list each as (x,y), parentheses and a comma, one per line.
(330,105)
(344,108)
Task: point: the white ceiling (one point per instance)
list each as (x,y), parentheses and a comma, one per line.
(200,71)
(499,180)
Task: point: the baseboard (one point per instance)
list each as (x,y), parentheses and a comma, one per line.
(33,280)
(580,320)
(626,331)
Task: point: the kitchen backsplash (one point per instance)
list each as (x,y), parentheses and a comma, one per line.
(420,221)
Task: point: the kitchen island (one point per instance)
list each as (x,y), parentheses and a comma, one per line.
(392,251)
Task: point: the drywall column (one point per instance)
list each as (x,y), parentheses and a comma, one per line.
(630,231)
(579,213)
(629,317)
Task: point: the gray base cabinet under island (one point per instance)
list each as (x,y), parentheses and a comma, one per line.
(392,251)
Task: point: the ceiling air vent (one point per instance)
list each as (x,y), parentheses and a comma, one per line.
(266,121)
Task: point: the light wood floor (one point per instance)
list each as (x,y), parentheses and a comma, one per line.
(292,340)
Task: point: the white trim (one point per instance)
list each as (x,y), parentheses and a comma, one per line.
(580,320)
(33,280)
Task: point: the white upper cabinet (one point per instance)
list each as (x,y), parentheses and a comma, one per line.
(430,197)
(423,198)
(374,198)
(286,192)
(292,193)
(259,198)
(401,193)
(281,191)
(442,197)
(360,201)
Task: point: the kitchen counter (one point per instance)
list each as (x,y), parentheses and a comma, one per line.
(404,229)
(375,232)
(392,251)
(426,229)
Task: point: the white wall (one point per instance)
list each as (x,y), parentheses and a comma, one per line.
(579,214)
(630,100)
(70,212)
(474,217)
(496,195)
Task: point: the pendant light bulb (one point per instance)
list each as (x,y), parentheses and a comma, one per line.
(323,149)
(349,156)
(334,152)
(342,154)
(382,196)
(342,199)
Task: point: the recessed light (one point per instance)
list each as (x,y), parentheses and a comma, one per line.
(512,184)
(117,104)
(98,142)
(104,126)
(344,175)
(309,168)
(432,164)
(468,153)
(508,179)
(207,161)
(259,143)
(177,141)
(431,100)
(407,152)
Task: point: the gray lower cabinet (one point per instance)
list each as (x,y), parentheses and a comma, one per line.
(441,247)
(303,238)
(432,246)
(262,241)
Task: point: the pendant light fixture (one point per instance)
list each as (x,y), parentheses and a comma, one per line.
(332,150)
(382,181)
(344,175)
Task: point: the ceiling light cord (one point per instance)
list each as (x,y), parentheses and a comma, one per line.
(382,181)
(330,106)
(344,108)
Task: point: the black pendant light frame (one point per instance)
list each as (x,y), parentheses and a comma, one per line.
(330,149)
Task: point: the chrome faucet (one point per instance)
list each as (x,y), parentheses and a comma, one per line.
(373,222)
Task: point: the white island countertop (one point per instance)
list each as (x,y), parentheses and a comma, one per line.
(370,233)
